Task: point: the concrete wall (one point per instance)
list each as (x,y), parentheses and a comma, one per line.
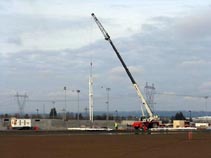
(58,124)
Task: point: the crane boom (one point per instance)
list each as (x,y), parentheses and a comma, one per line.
(107,37)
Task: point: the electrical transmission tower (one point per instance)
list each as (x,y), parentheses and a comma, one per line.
(21,100)
(149,92)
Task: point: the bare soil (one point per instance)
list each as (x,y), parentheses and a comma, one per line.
(107,146)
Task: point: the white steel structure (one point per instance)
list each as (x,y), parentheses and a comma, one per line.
(91,101)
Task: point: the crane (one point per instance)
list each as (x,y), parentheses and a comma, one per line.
(151,117)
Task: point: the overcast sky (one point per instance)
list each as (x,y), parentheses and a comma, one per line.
(48,44)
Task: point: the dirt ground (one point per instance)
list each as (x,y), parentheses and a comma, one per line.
(107,146)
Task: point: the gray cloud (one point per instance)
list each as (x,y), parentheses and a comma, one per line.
(173,51)
(28,31)
(196,26)
(16,41)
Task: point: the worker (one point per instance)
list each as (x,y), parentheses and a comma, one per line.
(116,125)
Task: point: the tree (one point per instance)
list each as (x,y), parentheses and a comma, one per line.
(26,116)
(179,116)
(53,113)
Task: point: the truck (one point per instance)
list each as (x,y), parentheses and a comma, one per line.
(152,120)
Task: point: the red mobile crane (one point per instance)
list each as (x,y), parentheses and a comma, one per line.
(152,120)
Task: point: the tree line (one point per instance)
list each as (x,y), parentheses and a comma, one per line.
(53,114)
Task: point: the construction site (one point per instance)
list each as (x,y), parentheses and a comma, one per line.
(148,122)
(64,134)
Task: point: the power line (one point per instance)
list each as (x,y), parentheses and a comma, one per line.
(183,95)
(115,97)
(21,100)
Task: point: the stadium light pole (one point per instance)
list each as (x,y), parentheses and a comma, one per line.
(65,100)
(206,97)
(116,111)
(37,112)
(53,108)
(107,115)
(78,91)
(190,116)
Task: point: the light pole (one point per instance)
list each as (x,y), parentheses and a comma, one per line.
(107,102)
(116,115)
(78,91)
(53,110)
(43,110)
(190,116)
(86,112)
(65,100)
(206,97)
(37,112)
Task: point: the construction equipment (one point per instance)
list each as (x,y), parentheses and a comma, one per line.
(152,120)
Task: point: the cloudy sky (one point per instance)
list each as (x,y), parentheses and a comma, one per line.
(48,44)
